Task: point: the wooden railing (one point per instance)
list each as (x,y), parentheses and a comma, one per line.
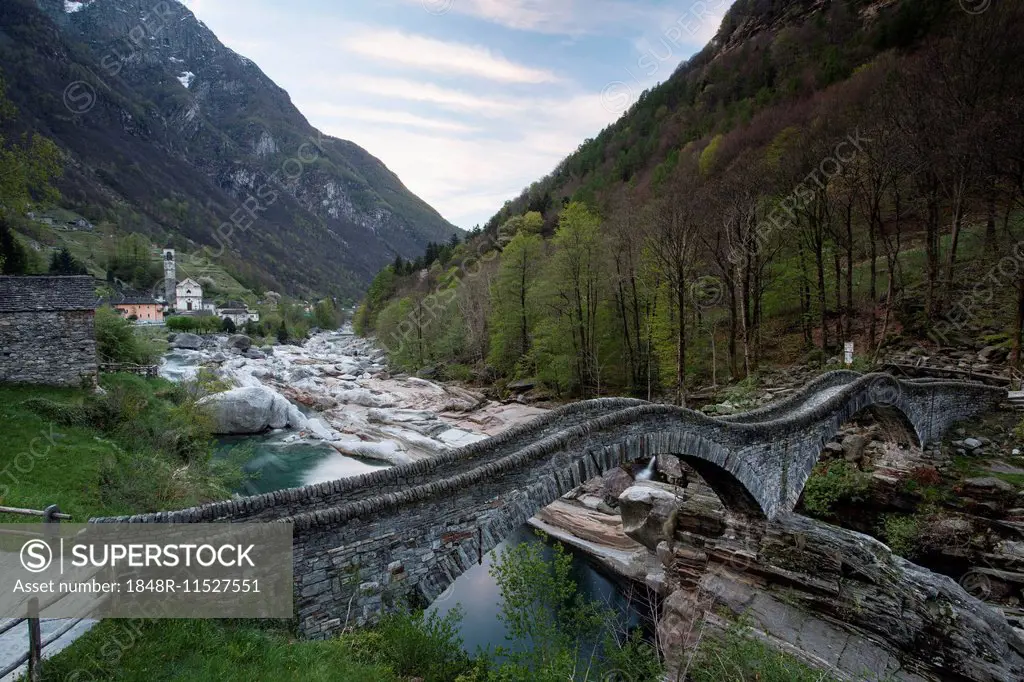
(36,643)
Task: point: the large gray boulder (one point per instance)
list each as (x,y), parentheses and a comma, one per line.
(188,341)
(239,341)
(252,409)
(614,482)
(649,513)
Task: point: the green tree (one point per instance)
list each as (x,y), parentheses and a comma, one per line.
(573,286)
(709,155)
(555,631)
(514,309)
(530,222)
(326,315)
(13,257)
(28,166)
(117,342)
(63,263)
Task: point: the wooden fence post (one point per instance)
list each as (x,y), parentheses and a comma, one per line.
(35,638)
(35,641)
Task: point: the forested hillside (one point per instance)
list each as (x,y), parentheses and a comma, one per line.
(165,132)
(821,172)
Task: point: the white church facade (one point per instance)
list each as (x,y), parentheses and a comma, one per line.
(188,296)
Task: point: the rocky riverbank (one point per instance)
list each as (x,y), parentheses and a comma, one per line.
(337,388)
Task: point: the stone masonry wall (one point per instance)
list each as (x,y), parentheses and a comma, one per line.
(55,348)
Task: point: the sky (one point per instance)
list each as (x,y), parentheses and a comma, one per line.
(468,101)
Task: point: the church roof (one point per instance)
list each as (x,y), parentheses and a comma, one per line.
(43,294)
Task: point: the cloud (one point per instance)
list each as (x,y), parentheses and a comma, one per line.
(324,110)
(558,17)
(428,54)
(419,91)
(469,178)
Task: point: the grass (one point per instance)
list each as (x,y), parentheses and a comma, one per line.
(736,656)
(149,455)
(195,650)
(44,463)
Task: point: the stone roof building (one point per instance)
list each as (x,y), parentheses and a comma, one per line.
(47,330)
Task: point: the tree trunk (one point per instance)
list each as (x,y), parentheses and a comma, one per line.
(819,258)
(991,238)
(805,297)
(733,331)
(873,286)
(744,317)
(1018,327)
(932,249)
(681,338)
(954,241)
(848,327)
(524,339)
(837,266)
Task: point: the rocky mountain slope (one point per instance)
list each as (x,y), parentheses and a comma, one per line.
(767,55)
(169,132)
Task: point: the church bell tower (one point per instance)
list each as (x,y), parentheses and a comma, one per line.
(170,278)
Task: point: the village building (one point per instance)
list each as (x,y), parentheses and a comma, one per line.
(139,308)
(47,330)
(188,296)
(238,313)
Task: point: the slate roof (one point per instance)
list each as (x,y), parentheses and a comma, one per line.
(43,294)
(129,297)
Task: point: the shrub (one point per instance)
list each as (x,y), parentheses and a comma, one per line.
(458,372)
(926,476)
(118,342)
(414,644)
(831,483)
(205,324)
(738,656)
(901,533)
(130,411)
(553,627)
(815,357)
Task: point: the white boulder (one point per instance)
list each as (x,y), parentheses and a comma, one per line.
(251,409)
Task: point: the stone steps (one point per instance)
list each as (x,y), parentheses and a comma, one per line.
(1016,399)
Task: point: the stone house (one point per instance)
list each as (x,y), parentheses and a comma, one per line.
(238,312)
(47,330)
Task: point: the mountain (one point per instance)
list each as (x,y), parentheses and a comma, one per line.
(766,55)
(170,133)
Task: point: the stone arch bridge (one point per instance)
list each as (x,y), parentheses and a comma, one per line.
(409,531)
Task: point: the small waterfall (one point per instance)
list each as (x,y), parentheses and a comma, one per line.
(648,472)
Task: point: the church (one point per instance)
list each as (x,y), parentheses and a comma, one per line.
(188,296)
